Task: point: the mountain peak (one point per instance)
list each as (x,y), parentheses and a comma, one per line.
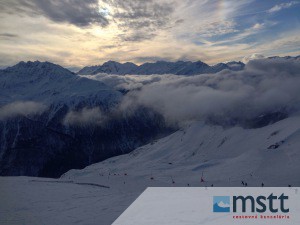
(110,62)
(38,68)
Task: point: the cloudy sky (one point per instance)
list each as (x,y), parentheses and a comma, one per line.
(75,33)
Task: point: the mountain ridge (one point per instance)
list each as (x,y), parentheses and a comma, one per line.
(160,67)
(167,67)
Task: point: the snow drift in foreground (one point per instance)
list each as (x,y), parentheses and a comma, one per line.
(99,193)
(229,97)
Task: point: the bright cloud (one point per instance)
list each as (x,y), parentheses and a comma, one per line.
(281,6)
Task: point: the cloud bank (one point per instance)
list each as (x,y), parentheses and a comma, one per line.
(15,109)
(264,86)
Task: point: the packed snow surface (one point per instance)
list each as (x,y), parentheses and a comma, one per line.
(99,193)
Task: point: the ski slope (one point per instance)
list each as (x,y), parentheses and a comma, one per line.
(224,157)
(99,193)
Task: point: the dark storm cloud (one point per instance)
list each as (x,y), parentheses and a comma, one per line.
(76,12)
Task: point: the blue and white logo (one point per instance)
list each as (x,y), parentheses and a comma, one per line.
(221,204)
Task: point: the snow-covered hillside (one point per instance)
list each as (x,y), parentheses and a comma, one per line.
(223,157)
(49,83)
(101,192)
(51,120)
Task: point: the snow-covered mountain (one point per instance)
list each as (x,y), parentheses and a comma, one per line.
(235,66)
(46,82)
(221,150)
(163,67)
(37,98)
(110,67)
(52,120)
(101,192)
(221,156)
(160,67)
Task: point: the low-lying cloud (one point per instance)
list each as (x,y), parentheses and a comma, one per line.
(16,109)
(264,86)
(254,56)
(85,116)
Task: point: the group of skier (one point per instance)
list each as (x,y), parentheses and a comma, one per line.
(244,184)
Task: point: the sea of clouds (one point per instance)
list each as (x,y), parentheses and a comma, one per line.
(264,86)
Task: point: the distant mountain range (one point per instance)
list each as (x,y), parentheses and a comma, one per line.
(160,67)
(164,67)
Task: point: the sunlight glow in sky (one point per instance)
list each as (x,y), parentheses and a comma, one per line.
(77,33)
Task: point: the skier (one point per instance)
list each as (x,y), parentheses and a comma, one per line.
(246,184)
(243,183)
(262,184)
(202,179)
